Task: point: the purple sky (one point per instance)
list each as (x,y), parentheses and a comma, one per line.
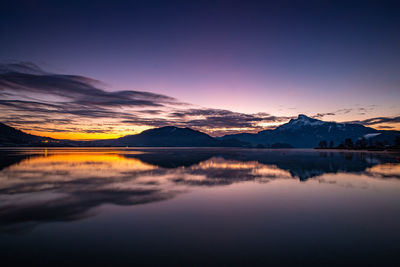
(281,57)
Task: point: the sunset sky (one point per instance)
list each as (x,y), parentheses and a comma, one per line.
(104,69)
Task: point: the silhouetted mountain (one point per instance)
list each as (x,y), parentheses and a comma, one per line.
(10,137)
(169,136)
(13,137)
(305,132)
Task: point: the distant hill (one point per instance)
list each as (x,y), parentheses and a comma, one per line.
(169,136)
(306,132)
(10,136)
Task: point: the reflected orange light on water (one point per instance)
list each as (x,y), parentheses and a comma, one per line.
(385,170)
(86,161)
(256,168)
(127,168)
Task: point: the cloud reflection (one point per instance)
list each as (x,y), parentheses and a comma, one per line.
(58,185)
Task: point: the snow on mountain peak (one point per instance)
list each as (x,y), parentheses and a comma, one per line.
(303,117)
(302,120)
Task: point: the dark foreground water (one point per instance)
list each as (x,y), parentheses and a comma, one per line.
(198,207)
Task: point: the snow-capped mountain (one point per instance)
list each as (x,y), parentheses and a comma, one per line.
(301,121)
(306,132)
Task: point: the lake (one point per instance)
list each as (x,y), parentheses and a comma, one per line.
(185,206)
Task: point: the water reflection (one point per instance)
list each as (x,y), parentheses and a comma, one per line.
(59,185)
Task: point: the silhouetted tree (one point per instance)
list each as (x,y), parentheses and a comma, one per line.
(370,142)
(361,143)
(322,144)
(348,143)
(379,145)
(331,144)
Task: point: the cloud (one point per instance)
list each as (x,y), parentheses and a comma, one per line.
(32,98)
(343,111)
(220,118)
(385,127)
(338,112)
(378,120)
(321,115)
(73,89)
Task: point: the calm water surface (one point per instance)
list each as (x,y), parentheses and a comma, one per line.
(198,207)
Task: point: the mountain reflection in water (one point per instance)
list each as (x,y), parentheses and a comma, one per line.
(44,186)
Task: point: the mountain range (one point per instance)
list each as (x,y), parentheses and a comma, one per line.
(306,132)
(302,132)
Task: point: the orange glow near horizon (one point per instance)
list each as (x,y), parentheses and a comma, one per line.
(113,134)
(78,136)
(81,129)
(86,136)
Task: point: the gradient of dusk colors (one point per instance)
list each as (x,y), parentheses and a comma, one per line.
(336,60)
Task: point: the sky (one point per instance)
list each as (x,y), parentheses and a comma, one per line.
(104,69)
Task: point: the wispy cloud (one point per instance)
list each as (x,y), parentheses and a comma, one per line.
(321,115)
(378,120)
(219,118)
(19,79)
(32,98)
